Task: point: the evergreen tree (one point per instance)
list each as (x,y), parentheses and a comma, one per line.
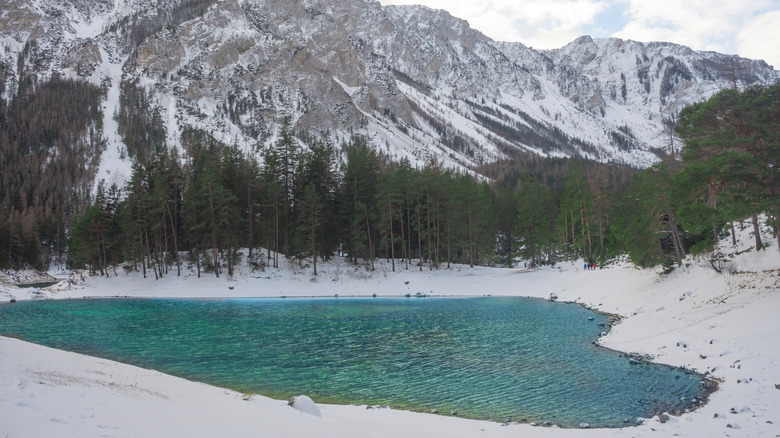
(535,223)
(732,148)
(358,201)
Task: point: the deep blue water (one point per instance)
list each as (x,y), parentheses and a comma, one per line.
(490,358)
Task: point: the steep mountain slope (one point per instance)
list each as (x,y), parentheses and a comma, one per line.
(417,82)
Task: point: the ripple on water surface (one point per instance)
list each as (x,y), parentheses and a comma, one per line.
(490,358)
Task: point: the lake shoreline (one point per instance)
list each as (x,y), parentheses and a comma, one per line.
(511,324)
(723,326)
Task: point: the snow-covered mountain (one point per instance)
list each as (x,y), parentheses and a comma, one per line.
(417,82)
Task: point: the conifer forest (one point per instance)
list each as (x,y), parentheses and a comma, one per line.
(208,205)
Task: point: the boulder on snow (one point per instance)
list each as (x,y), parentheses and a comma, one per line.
(663,418)
(305,404)
(553,296)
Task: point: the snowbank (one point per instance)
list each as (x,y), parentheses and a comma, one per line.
(722,324)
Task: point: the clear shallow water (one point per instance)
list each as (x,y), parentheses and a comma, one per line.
(490,358)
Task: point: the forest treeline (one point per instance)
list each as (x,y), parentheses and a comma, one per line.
(203,204)
(50,144)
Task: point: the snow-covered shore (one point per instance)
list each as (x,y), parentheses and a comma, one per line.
(724,324)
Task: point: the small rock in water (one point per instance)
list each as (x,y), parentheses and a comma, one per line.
(584,426)
(13,300)
(548,423)
(434,411)
(590,318)
(454,413)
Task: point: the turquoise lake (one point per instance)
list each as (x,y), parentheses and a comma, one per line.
(522,359)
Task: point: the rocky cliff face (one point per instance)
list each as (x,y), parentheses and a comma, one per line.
(417,82)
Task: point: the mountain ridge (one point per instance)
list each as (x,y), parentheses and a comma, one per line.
(418,83)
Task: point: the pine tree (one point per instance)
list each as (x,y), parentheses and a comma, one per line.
(358,201)
(732,146)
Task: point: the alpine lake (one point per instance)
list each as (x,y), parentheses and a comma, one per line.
(502,359)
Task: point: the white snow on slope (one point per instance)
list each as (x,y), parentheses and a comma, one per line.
(115,166)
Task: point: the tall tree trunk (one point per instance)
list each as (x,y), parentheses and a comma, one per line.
(566,234)
(251,222)
(403,240)
(437,233)
(149,254)
(419,237)
(757,232)
(678,250)
(370,243)
(313,237)
(228,242)
(572,231)
(214,241)
(392,244)
(175,244)
(141,242)
(471,243)
(448,244)
(276,235)
(103,249)
(409,229)
(601,226)
(430,249)
(733,234)
(590,244)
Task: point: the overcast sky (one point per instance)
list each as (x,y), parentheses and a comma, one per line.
(749,28)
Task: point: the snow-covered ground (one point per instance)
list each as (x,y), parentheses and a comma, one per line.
(723,324)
